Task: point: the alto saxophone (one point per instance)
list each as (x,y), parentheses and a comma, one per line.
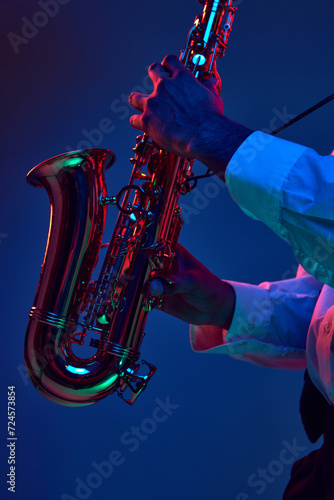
(69,306)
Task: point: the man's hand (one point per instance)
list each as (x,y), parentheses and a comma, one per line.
(176,110)
(187,117)
(195,295)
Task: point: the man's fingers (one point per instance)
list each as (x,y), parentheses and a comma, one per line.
(163,286)
(172,63)
(137,100)
(136,122)
(172,285)
(156,71)
(214,83)
(156,288)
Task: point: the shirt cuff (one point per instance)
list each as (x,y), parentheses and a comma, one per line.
(249,337)
(255,181)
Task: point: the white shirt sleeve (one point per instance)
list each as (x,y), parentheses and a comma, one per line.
(269,326)
(291,189)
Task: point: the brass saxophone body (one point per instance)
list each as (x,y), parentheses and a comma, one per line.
(69,306)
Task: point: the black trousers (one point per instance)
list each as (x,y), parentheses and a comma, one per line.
(312,477)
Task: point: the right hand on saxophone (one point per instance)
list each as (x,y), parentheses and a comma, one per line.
(187,117)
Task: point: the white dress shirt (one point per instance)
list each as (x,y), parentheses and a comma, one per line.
(290,323)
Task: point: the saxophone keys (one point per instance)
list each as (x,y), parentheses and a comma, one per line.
(135,382)
(112,200)
(78,338)
(104,318)
(143,177)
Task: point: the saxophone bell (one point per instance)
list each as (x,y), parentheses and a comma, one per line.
(75,182)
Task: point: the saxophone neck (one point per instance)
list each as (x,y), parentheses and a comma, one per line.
(207,39)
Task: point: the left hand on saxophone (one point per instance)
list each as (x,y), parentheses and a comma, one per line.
(187,117)
(194,294)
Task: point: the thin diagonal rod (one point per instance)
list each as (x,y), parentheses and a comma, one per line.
(305,113)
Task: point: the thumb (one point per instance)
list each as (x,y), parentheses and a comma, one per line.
(183,283)
(162,286)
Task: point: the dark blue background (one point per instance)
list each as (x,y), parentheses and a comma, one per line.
(232,417)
